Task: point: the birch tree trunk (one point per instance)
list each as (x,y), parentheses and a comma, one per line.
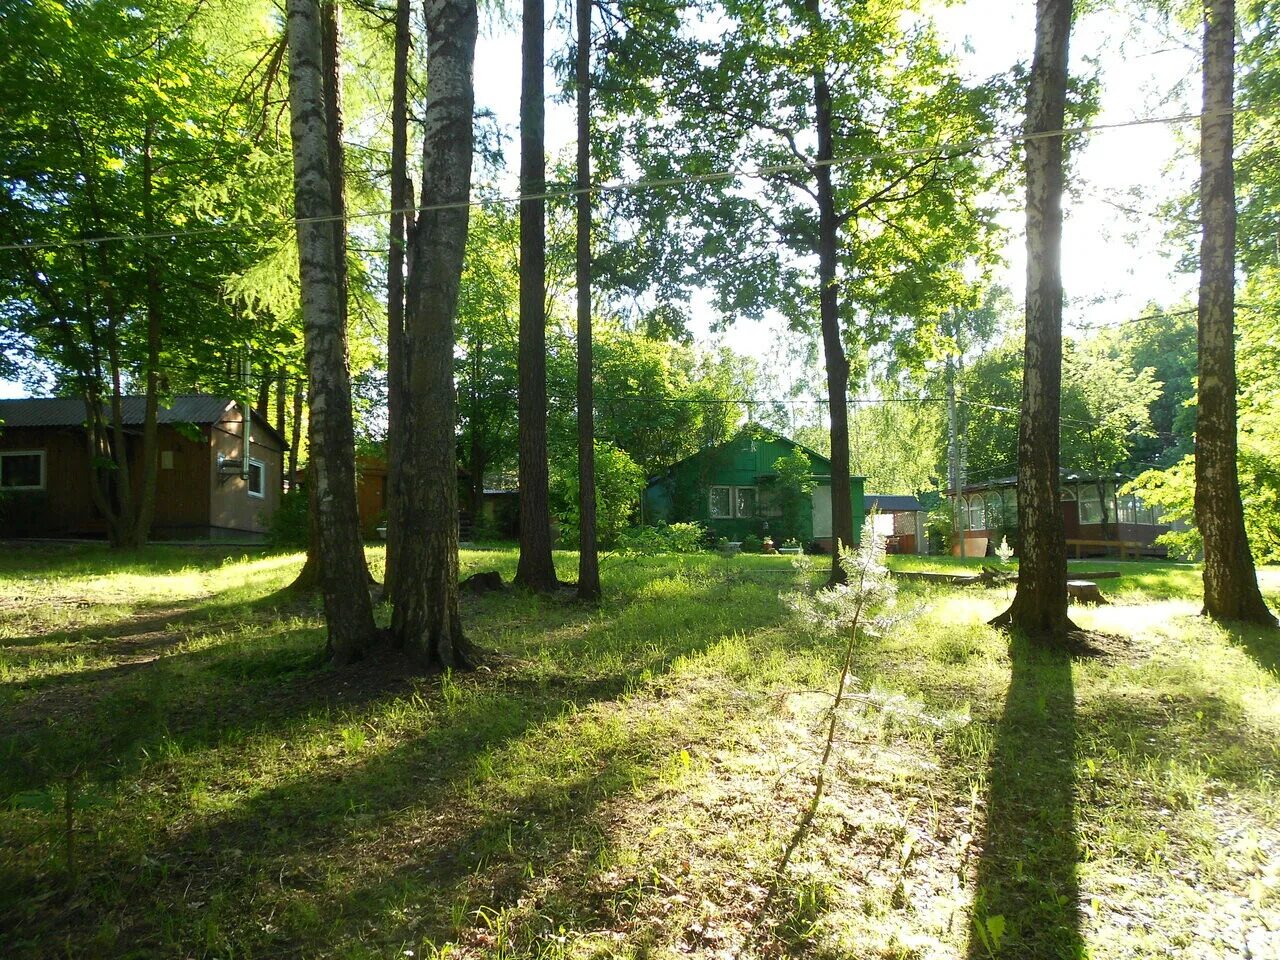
(588,560)
(331,474)
(535,569)
(400,199)
(837,362)
(1039,607)
(1230,580)
(425,619)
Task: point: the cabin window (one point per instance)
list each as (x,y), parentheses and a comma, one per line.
(744,502)
(976,519)
(22,470)
(166,459)
(721,503)
(257,479)
(1090,505)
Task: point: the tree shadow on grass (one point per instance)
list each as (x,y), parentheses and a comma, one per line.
(162,882)
(1261,643)
(1026,898)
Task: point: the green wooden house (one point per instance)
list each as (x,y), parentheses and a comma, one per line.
(733,490)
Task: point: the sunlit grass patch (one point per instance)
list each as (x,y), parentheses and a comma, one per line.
(621,779)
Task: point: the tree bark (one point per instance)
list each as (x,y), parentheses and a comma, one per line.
(1230,580)
(331,473)
(535,570)
(400,199)
(829,309)
(588,559)
(1039,607)
(154,309)
(425,619)
(295,435)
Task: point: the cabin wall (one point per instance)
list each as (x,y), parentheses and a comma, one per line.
(233,511)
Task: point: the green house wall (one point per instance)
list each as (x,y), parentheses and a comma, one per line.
(682,494)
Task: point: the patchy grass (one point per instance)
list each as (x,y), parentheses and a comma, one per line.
(622,781)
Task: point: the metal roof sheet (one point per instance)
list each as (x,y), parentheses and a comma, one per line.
(69,411)
(891,503)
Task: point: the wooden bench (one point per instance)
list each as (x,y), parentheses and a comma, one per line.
(1123,546)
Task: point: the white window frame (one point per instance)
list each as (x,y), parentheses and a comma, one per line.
(711,501)
(28,453)
(733,513)
(262,472)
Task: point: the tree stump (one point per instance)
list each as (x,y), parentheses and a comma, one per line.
(1084,591)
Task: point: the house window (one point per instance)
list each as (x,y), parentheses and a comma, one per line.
(166,459)
(728,502)
(22,470)
(257,479)
(1090,505)
(721,503)
(976,519)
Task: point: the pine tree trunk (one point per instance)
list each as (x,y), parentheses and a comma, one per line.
(331,473)
(400,199)
(425,620)
(1039,607)
(535,569)
(588,560)
(829,307)
(1230,580)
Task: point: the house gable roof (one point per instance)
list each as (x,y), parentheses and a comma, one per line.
(196,408)
(750,430)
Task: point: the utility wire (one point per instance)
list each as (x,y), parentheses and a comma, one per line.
(945,152)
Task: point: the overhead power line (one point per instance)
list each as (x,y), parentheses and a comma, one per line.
(945,151)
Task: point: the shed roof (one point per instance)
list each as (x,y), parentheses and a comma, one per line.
(891,503)
(69,411)
(750,429)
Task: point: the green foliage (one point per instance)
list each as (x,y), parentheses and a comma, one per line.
(125,118)
(290,524)
(740,96)
(791,491)
(664,538)
(1105,407)
(752,544)
(619,483)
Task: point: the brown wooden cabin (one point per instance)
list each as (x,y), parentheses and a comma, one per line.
(371,495)
(989,511)
(45,477)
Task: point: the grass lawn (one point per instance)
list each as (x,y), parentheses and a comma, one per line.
(621,781)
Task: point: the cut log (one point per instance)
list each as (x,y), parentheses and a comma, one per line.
(1084,591)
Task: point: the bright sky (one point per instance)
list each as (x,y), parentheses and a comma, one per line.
(1113,263)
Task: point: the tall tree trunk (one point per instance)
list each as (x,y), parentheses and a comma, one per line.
(425,619)
(154,300)
(331,471)
(535,570)
(476,458)
(280,392)
(262,405)
(295,435)
(829,308)
(1039,607)
(588,560)
(401,196)
(1230,581)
